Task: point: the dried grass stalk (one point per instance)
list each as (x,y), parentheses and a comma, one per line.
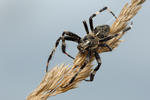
(126,14)
(59,76)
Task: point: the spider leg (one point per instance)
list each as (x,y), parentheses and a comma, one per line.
(108,38)
(98,59)
(70,36)
(73,37)
(86,27)
(94,15)
(105,45)
(51,54)
(81,68)
(128,28)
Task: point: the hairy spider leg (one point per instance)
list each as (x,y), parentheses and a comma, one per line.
(51,54)
(74,39)
(94,15)
(128,28)
(98,59)
(81,68)
(105,45)
(108,38)
(71,37)
(86,27)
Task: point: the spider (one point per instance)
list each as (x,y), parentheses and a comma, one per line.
(90,43)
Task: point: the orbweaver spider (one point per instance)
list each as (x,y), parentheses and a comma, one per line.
(90,43)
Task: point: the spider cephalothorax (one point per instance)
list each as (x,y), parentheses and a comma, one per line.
(90,43)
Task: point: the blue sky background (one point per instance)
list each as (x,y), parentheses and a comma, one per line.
(29,29)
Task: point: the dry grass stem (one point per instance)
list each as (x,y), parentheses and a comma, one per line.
(59,76)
